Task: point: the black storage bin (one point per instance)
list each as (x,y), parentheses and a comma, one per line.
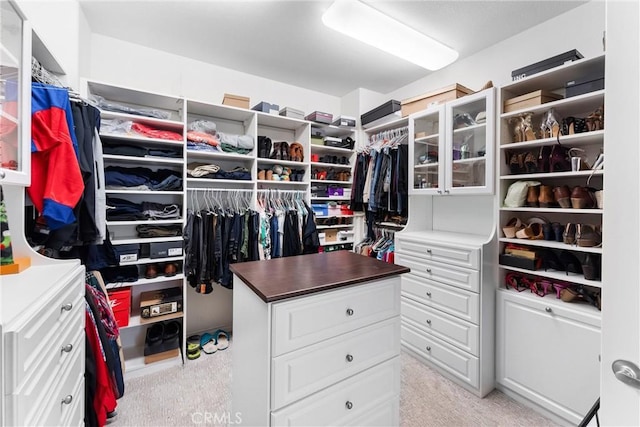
(127,253)
(519,262)
(385,109)
(546,64)
(584,85)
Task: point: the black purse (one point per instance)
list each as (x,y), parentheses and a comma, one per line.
(264,147)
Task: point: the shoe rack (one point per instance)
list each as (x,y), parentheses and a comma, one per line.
(553,237)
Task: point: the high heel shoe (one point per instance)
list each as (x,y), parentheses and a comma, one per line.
(559,159)
(569,235)
(530,163)
(570,262)
(562,195)
(550,126)
(512,227)
(587,236)
(595,120)
(591,267)
(543,159)
(582,198)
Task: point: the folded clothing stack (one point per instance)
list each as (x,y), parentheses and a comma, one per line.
(119,178)
(125,210)
(212,171)
(150,230)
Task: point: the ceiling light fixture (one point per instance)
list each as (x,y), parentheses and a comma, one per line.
(357,20)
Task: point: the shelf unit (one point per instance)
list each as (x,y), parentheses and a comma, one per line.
(124,232)
(328,159)
(517,310)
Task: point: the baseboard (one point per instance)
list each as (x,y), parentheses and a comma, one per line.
(532,405)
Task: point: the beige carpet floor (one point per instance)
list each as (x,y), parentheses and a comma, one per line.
(184,396)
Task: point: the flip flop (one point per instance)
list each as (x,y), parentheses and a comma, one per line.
(193,347)
(222,339)
(208,343)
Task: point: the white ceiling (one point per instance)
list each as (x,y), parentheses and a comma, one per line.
(286,40)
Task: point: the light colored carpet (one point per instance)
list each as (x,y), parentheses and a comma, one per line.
(185,396)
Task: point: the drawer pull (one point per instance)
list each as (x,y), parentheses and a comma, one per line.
(428,251)
(428,321)
(428,348)
(67,307)
(429,294)
(349,312)
(349,405)
(67,348)
(67,400)
(547,309)
(349,358)
(428,270)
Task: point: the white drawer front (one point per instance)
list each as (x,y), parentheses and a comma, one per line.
(30,341)
(457,302)
(306,321)
(456,362)
(385,414)
(449,275)
(463,335)
(297,374)
(450,254)
(341,402)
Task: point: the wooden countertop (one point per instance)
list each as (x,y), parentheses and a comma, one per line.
(282,278)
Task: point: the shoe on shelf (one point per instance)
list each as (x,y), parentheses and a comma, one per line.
(533,194)
(562,195)
(546,199)
(512,227)
(588,236)
(591,267)
(151,272)
(582,198)
(170,269)
(569,234)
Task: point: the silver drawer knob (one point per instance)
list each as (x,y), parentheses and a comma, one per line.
(2,174)
(67,400)
(428,321)
(439,191)
(428,294)
(67,307)
(428,251)
(67,348)
(349,405)
(446,191)
(349,312)
(349,358)
(428,270)
(428,348)
(547,309)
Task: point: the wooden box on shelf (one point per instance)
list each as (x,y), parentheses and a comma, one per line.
(18,265)
(447,93)
(236,101)
(530,99)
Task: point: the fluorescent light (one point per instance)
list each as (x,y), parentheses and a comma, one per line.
(357,20)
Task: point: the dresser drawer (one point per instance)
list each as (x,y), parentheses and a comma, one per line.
(306,321)
(461,256)
(28,343)
(298,374)
(349,399)
(457,302)
(458,363)
(385,414)
(462,278)
(459,333)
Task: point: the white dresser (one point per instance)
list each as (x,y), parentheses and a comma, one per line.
(42,324)
(448,305)
(310,350)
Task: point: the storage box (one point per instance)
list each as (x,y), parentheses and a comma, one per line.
(266,107)
(127,253)
(320,209)
(585,85)
(380,111)
(120,301)
(318,190)
(529,100)
(519,262)
(292,112)
(335,191)
(546,64)
(330,235)
(320,117)
(345,121)
(165,249)
(345,235)
(160,302)
(447,93)
(317,140)
(236,101)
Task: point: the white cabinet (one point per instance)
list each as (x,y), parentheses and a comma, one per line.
(548,352)
(43,346)
(447,305)
(15,102)
(451,146)
(534,325)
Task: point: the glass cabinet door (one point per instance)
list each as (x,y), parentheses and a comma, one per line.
(470,141)
(426,155)
(15,96)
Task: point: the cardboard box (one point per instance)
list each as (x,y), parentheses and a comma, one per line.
(330,235)
(266,107)
(529,100)
(160,302)
(236,101)
(165,249)
(447,93)
(120,301)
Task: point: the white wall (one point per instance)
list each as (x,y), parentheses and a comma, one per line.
(60,35)
(131,65)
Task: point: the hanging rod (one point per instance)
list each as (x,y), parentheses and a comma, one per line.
(219,190)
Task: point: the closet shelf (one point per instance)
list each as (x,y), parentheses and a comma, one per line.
(324,227)
(470,160)
(557,275)
(338,242)
(327,149)
(335,216)
(195,154)
(137,139)
(335,131)
(552,301)
(143,261)
(426,139)
(330,181)
(136,321)
(146,192)
(174,125)
(146,221)
(144,281)
(551,175)
(212,182)
(575,140)
(332,198)
(554,210)
(295,165)
(330,165)
(134,361)
(147,159)
(133,240)
(294,183)
(470,128)
(552,245)
(583,102)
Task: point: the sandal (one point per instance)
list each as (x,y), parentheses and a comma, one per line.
(208,343)
(222,339)
(513,226)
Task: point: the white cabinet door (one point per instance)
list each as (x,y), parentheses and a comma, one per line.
(426,151)
(548,353)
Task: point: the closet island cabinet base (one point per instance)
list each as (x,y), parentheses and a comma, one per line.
(316,341)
